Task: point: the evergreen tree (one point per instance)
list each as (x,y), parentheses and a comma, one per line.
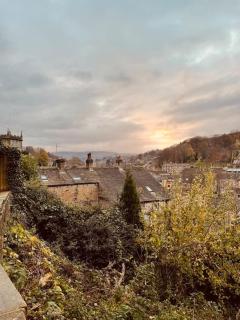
(129,202)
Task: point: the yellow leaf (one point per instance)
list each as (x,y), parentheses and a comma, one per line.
(44,280)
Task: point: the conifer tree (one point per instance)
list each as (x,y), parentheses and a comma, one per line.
(129,202)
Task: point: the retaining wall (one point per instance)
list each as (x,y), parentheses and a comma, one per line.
(12,305)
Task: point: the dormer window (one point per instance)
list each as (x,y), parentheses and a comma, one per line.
(77,178)
(148,189)
(44,178)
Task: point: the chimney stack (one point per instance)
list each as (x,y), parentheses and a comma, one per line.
(119,161)
(60,163)
(89,161)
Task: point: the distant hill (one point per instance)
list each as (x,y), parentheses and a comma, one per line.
(210,149)
(96,155)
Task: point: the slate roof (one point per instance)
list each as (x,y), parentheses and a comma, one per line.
(148,187)
(222,174)
(110,180)
(52,176)
(84,174)
(189,174)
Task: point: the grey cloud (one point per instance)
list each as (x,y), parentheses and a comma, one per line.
(82,75)
(119,78)
(13,78)
(218,85)
(105,73)
(113,133)
(2,45)
(205,106)
(38,80)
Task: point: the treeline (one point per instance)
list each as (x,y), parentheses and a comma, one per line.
(214,149)
(40,155)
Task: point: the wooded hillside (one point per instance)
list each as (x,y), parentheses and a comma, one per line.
(210,149)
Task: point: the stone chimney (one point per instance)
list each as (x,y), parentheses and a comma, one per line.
(119,161)
(89,161)
(60,163)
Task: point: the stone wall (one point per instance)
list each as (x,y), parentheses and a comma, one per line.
(4,214)
(12,305)
(224,184)
(152,206)
(83,194)
(175,168)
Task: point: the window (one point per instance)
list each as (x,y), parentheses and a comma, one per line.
(44,178)
(77,178)
(149,189)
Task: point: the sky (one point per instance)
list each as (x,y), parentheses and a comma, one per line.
(123,76)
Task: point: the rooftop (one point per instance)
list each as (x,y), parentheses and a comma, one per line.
(11,136)
(110,180)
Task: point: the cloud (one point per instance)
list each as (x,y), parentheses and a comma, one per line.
(125,76)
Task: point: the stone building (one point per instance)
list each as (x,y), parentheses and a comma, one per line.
(12,141)
(175,168)
(166,180)
(72,190)
(225,179)
(101,186)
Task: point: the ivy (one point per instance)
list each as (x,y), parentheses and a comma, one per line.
(14,174)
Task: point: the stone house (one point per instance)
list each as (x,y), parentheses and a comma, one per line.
(166,180)
(187,177)
(175,168)
(72,190)
(224,179)
(101,186)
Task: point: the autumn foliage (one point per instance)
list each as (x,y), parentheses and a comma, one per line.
(195,242)
(214,149)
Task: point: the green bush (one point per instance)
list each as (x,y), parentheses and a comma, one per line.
(195,242)
(91,235)
(29,167)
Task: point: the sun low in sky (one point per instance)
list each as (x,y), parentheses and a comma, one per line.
(127,76)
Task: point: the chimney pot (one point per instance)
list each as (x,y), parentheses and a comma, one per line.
(89,161)
(60,163)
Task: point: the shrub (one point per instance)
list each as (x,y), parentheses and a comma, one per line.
(89,234)
(29,167)
(196,244)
